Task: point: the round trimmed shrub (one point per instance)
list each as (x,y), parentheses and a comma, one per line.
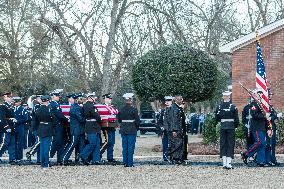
(175,69)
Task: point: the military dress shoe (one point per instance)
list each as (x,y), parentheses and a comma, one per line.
(262,165)
(13,162)
(244,158)
(274,162)
(59,163)
(271,163)
(97,163)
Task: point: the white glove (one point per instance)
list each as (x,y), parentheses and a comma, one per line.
(280,115)
(8,130)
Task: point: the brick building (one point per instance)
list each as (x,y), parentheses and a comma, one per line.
(243,51)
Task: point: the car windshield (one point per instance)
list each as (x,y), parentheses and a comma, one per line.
(147,116)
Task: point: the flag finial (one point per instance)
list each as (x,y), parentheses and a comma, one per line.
(257,36)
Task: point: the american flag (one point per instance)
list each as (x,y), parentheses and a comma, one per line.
(261,81)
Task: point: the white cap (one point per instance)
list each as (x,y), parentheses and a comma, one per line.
(56,91)
(226,93)
(168,98)
(128,96)
(257,90)
(91,94)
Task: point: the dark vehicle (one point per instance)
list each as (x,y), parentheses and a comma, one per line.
(148,122)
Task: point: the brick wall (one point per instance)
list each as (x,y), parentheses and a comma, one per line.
(244,66)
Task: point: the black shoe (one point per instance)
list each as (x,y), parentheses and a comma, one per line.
(262,165)
(112,161)
(13,162)
(97,163)
(244,158)
(66,163)
(59,163)
(270,163)
(274,162)
(85,162)
(38,163)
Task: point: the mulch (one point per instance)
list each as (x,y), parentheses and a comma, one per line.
(200,148)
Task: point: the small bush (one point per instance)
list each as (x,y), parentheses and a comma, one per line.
(212,130)
(211,133)
(280,131)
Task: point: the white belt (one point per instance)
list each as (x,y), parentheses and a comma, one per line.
(91,120)
(127,121)
(227,120)
(44,123)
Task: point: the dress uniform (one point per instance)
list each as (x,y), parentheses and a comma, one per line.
(227,114)
(129,124)
(7,128)
(58,142)
(108,127)
(44,122)
(77,122)
(271,142)
(36,146)
(92,130)
(259,128)
(176,134)
(22,117)
(164,126)
(246,120)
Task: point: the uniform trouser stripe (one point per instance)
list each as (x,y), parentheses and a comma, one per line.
(34,147)
(105,142)
(254,145)
(3,141)
(71,145)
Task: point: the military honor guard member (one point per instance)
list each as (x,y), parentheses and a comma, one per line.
(44,118)
(36,146)
(92,130)
(227,114)
(109,124)
(22,117)
(58,142)
(7,128)
(77,122)
(259,130)
(246,120)
(129,124)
